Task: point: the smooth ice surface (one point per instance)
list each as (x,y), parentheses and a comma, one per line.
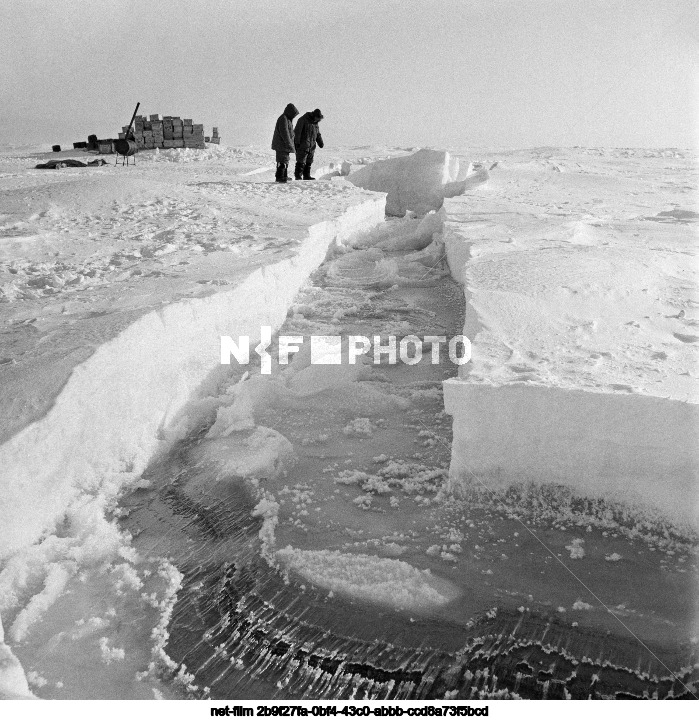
(582,317)
(417,182)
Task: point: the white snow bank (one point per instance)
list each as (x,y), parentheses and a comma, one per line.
(379,580)
(581,373)
(262,453)
(13,682)
(407,233)
(212,152)
(417,182)
(121,405)
(631,447)
(332,169)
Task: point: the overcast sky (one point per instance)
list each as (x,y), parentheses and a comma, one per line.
(450,73)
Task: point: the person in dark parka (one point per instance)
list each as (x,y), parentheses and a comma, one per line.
(283,141)
(306,136)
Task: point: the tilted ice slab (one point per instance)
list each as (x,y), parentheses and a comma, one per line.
(385,581)
(118,398)
(583,369)
(418,182)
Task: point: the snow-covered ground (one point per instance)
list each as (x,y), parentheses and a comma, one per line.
(581,274)
(116,284)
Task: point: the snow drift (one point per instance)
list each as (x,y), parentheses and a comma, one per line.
(13,683)
(122,405)
(418,182)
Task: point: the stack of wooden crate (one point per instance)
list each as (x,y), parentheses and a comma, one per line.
(170,132)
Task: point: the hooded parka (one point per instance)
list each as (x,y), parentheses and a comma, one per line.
(307,135)
(283,138)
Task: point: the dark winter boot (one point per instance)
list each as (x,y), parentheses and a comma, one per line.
(298,170)
(279,175)
(307,172)
(286,172)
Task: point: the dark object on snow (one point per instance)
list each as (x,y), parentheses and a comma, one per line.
(283,141)
(92,142)
(69,163)
(126,146)
(80,146)
(302,170)
(56,148)
(307,134)
(105,146)
(283,138)
(127,132)
(282,174)
(306,137)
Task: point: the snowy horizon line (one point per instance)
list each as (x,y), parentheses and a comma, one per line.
(403,146)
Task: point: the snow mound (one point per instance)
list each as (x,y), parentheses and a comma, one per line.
(386,581)
(417,182)
(13,682)
(221,153)
(376,268)
(333,169)
(407,233)
(263,453)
